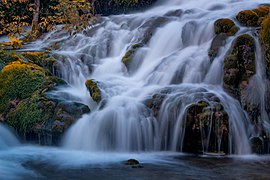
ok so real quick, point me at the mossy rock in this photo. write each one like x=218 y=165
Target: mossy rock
x=239 y=64
x=26 y=115
x=252 y=17
x=225 y=26
x=43 y=59
x=127 y=59
x=265 y=40
x=94 y=90
x=19 y=80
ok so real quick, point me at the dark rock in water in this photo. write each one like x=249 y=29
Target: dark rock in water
x=257 y=145
x=206 y=128
x=174 y=13
x=252 y=17
x=217 y=43
x=150 y=26
x=132 y=162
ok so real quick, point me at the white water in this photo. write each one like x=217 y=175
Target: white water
x=175 y=58
x=7 y=139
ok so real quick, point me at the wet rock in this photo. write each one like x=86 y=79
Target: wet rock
x=223 y=29
x=132 y=162
x=94 y=90
x=126 y=60
x=150 y=26
x=174 y=13
x=25 y=105
x=225 y=26
x=206 y=128
x=265 y=41
x=252 y=17
x=217 y=43
x=257 y=145
x=239 y=65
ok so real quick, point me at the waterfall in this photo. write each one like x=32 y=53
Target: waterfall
x=171 y=61
x=7 y=138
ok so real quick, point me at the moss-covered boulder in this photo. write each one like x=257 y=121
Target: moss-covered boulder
x=252 y=17
x=25 y=104
x=239 y=64
x=265 y=40
x=94 y=90
x=43 y=59
x=19 y=80
x=223 y=28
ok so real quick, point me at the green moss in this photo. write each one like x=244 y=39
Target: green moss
x=26 y=115
x=265 y=39
x=251 y=17
x=130 y=53
x=18 y=81
x=225 y=26
x=94 y=90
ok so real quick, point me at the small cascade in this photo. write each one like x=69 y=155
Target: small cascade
x=159 y=90
x=7 y=139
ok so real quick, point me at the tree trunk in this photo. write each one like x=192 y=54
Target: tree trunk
x=35 y=17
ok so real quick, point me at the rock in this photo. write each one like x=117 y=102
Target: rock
x=94 y=90
x=126 y=60
x=252 y=17
x=239 y=65
x=225 y=26
x=25 y=105
x=257 y=145
x=265 y=41
x=132 y=162
x=223 y=29
x=206 y=124
x=217 y=43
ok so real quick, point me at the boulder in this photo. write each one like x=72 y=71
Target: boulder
x=252 y=17
x=223 y=29
x=239 y=65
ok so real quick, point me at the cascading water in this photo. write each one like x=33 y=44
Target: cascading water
x=172 y=60
x=7 y=139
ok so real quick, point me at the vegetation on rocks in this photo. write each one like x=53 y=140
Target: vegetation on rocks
x=94 y=90
x=252 y=17
x=225 y=26
x=223 y=29
x=265 y=39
